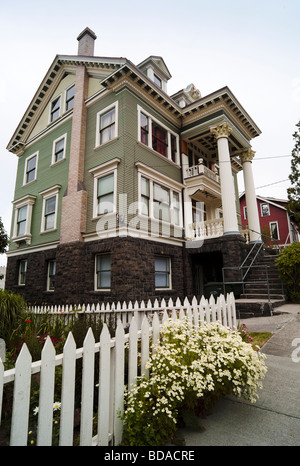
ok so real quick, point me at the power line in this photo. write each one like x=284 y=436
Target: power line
x=271 y=184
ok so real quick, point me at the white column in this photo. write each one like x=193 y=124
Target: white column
x=221 y=133
x=252 y=211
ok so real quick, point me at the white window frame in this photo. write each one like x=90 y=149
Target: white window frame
x=99 y=172
x=261 y=209
x=165 y=182
x=115 y=105
x=60 y=108
x=245 y=212
x=65 y=98
x=276 y=223
x=20 y=281
x=63 y=137
x=48 y=194
x=169 y=272
x=18 y=204
x=150 y=145
x=96 y=275
x=35 y=155
x=48 y=275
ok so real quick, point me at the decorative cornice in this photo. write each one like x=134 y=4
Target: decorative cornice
x=247 y=155
x=222 y=130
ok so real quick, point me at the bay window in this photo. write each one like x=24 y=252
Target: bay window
x=22 y=219
x=157 y=136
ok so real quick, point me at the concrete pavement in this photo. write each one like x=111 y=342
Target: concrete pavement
x=274 y=420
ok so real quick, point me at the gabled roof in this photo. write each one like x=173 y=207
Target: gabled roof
x=157 y=62
x=269 y=200
x=60 y=65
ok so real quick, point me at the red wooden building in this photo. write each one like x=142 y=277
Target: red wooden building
x=277 y=226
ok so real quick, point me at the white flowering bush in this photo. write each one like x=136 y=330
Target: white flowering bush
x=189 y=366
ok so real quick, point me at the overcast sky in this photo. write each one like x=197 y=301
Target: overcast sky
x=251 y=46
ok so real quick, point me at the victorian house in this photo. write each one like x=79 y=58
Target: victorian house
x=124 y=191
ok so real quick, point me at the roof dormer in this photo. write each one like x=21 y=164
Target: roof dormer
x=156 y=70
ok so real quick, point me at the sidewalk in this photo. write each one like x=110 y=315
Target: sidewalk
x=274 y=420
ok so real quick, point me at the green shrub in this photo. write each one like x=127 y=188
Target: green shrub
x=12 y=311
x=288 y=265
x=190 y=368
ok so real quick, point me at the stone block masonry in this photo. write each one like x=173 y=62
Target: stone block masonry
x=132 y=272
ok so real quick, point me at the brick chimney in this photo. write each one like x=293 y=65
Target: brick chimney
x=86 y=40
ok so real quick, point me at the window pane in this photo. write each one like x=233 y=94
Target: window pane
x=106 y=194
x=51 y=274
x=59 y=150
x=22 y=272
x=173 y=148
x=31 y=169
x=22 y=212
x=50 y=205
x=107 y=126
x=145 y=187
x=159 y=139
x=144 y=129
x=21 y=221
x=161 y=203
x=103 y=270
x=55 y=109
x=106 y=184
x=162 y=272
x=70 y=98
x=106 y=204
x=107 y=118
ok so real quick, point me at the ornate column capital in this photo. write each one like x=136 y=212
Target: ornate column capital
x=247 y=155
x=222 y=130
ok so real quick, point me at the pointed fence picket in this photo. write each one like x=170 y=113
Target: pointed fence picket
x=106 y=392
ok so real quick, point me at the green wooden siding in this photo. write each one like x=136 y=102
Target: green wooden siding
x=125 y=147
x=47 y=176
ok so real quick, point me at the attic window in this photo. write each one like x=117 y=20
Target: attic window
x=55 y=109
x=157 y=81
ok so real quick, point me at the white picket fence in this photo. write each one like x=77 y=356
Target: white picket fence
x=114 y=368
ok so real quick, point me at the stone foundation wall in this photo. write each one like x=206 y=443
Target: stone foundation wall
x=132 y=272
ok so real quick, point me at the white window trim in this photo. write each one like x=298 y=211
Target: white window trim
x=29 y=202
x=36 y=154
x=47 y=194
x=60 y=108
x=64 y=136
x=170 y=274
x=169 y=132
x=261 y=211
x=48 y=275
x=245 y=212
x=99 y=114
x=95 y=273
x=99 y=172
x=19 y=272
x=65 y=98
x=173 y=186
x=270 y=223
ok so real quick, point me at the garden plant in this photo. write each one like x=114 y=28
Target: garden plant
x=190 y=369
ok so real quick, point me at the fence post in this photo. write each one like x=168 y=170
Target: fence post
x=104 y=399
x=119 y=383
x=45 y=419
x=87 y=397
x=20 y=413
x=68 y=393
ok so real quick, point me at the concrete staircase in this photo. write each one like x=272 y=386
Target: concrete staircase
x=263 y=290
